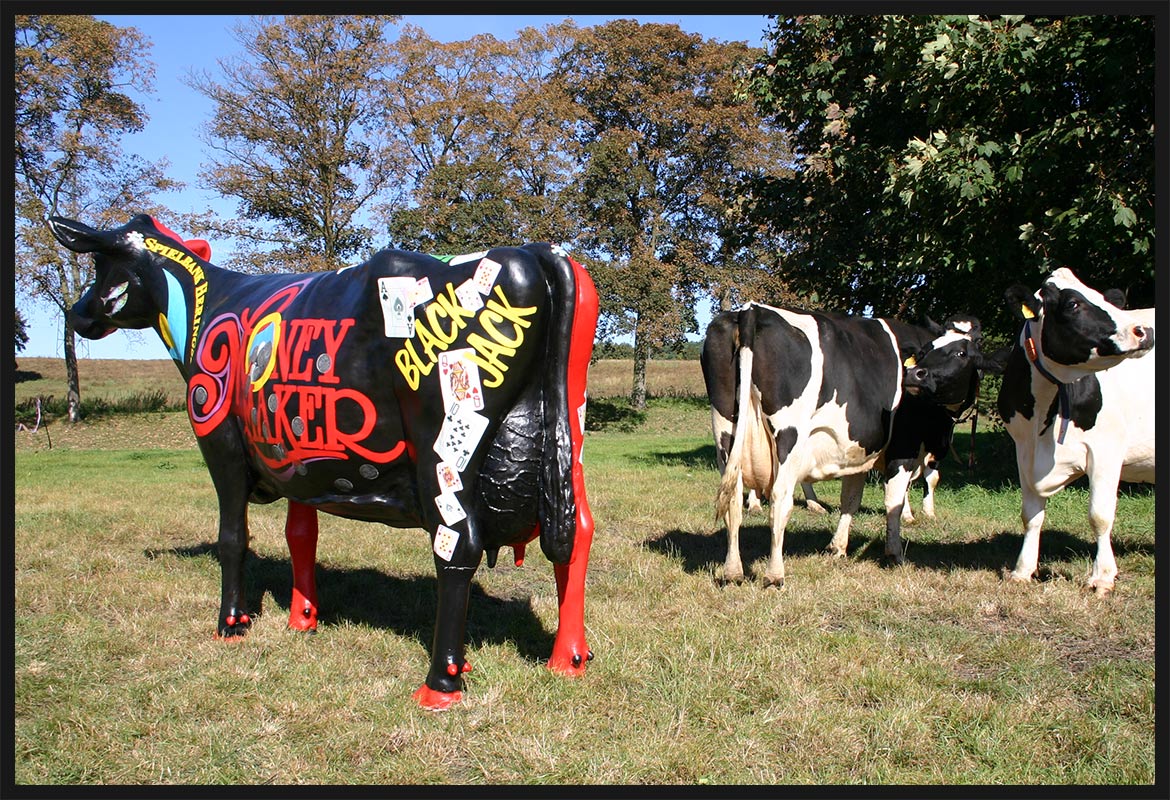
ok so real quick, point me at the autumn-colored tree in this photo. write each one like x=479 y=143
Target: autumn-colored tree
x=665 y=135
x=296 y=139
x=488 y=144
x=75 y=77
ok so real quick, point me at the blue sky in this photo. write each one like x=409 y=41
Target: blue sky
x=182 y=44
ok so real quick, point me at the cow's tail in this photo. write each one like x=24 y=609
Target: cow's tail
x=730 y=486
x=573 y=323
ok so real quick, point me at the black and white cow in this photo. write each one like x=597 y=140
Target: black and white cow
x=416 y=391
x=809 y=396
x=1078 y=399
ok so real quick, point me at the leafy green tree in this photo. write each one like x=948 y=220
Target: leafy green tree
x=942 y=158
x=664 y=132
x=75 y=77
x=293 y=141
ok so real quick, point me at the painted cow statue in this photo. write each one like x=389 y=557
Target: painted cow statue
x=802 y=397
x=443 y=393
x=1078 y=399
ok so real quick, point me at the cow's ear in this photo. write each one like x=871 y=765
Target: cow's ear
x=1022 y=302
x=79 y=237
x=996 y=362
x=909 y=355
x=932 y=326
x=1115 y=296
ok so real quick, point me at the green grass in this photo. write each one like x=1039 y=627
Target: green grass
x=936 y=672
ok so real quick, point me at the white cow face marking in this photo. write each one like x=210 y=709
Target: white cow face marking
x=1079 y=331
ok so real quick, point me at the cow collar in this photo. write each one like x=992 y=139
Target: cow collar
x=1033 y=353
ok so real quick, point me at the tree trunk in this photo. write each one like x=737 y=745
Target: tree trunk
x=71 y=374
x=638 y=395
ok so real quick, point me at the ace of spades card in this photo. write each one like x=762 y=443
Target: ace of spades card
x=462 y=429
x=396 y=296
x=450 y=508
x=459 y=379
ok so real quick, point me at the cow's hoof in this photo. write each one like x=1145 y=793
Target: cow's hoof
x=895 y=559
x=774 y=580
x=233 y=627
x=816 y=508
x=431 y=700
x=570 y=666
x=836 y=551
x=730 y=577
x=1019 y=577
x=303 y=620
x=1101 y=588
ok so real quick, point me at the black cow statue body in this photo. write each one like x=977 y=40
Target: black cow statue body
x=441 y=393
x=802 y=397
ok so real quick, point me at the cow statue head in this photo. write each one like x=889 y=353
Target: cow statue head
x=128 y=290
x=1071 y=330
x=947 y=370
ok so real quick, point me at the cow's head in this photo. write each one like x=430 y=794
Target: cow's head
x=129 y=288
x=947 y=370
x=1075 y=329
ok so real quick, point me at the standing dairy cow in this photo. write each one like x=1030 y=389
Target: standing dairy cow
x=807 y=396
x=446 y=394
x=1078 y=399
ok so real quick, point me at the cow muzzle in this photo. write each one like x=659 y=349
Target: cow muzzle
x=87 y=327
x=917 y=381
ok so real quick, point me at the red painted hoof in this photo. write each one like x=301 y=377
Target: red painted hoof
x=571 y=666
x=431 y=700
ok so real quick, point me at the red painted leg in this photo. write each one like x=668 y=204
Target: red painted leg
x=300 y=530
x=570 y=651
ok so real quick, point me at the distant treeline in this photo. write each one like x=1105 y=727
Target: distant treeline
x=687 y=351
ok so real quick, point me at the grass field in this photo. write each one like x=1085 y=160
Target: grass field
x=937 y=672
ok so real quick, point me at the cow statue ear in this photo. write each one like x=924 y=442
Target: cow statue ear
x=79 y=237
x=1022 y=302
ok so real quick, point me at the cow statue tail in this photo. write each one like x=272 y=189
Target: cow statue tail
x=730 y=485
x=566 y=523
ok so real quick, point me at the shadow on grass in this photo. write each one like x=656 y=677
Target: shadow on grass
x=701 y=552
x=702 y=457
x=406 y=606
x=22 y=375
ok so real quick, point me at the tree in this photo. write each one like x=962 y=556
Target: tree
x=488 y=144
x=73 y=76
x=942 y=158
x=664 y=133
x=20 y=329
x=294 y=142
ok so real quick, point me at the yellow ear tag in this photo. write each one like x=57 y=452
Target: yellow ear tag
x=1027 y=312
x=910 y=362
